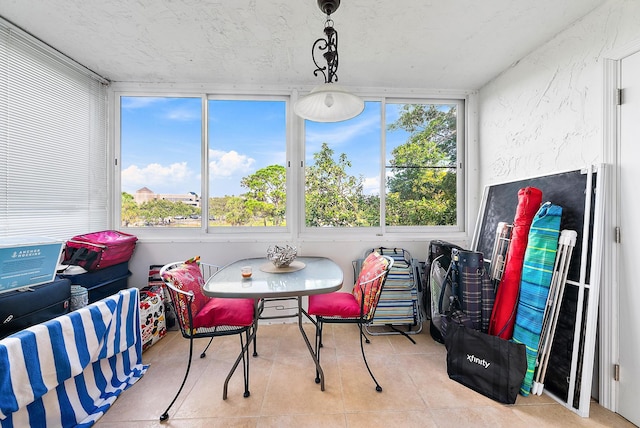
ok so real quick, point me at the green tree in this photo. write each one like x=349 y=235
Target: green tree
x=155 y=211
x=159 y=211
x=236 y=211
x=370 y=210
x=422 y=186
x=430 y=122
x=129 y=214
x=217 y=208
x=267 y=195
x=333 y=197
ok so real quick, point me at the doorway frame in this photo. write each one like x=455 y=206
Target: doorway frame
x=609 y=330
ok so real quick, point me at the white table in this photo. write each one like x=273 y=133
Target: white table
x=319 y=275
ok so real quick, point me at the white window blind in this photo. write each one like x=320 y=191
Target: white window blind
x=53 y=142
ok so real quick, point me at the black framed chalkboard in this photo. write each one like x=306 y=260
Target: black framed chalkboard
x=575 y=191
x=565 y=189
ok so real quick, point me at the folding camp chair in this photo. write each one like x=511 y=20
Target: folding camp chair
x=200 y=316
x=357 y=307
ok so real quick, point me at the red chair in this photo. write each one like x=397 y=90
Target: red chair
x=200 y=316
x=357 y=307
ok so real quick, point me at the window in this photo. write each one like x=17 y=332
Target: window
x=161 y=152
x=342 y=174
x=421 y=169
x=395 y=168
x=53 y=142
x=420 y=174
x=161 y=174
x=247 y=157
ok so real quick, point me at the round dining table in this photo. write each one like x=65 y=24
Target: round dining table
x=305 y=276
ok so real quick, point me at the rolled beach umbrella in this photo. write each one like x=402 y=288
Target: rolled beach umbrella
x=503 y=315
x=537 y=272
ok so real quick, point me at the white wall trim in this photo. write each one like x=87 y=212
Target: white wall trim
x=623 y=51
x=473 y=190
x=609 y=331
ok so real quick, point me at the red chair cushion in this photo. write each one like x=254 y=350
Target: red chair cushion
x=372 y=267
x=337 y=304
x=222 y=311
x=188 y=277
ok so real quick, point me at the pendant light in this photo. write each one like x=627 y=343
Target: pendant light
x=328 y=102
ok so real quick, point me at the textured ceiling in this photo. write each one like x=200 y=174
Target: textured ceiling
x=433 y=44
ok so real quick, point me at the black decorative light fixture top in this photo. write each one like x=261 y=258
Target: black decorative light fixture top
x=328 y=102
x=328 y=45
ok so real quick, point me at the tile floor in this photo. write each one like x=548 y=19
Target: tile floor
x=417 y=391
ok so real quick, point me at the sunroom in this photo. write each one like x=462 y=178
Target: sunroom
x=176 y=122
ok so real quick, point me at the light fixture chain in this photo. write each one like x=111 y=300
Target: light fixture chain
x=329 y=49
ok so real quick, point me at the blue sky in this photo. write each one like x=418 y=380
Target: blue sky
x=161 y=147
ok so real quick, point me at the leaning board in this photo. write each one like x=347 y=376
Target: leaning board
x=573 y=349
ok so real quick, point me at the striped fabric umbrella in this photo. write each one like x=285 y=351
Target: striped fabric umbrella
x=537 y=271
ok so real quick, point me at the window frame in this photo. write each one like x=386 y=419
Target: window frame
x=399 y=231
x=295 y=229
x=460 y=170
x=205 y=169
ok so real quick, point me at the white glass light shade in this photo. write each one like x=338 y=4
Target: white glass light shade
x=329 y=103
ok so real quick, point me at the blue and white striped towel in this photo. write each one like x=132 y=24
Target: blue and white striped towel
x=68 y=371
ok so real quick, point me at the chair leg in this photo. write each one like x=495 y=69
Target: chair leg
x=362 y=335
x=204 y=353
x=244 y=357
x=255 y=346
x=319 y=325
x=165 y=415
x=366 y=338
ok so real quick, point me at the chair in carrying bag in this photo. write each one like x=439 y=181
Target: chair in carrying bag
x=437 y=279
x=449 y=304
x=199 y=316
x=357 y=307
x=468 y=295
x=435 y=270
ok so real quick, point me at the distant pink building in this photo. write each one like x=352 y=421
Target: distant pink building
x=146 y=195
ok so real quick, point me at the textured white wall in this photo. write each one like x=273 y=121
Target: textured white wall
x=545 y=113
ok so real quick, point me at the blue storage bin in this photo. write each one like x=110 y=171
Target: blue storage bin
x=23 y=308
x=104 y=282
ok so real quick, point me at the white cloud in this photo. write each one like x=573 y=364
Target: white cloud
x=371 y=185
x=169 y=108
x=179 y=178
x=183 y=114
x=341 y=133
x=174 y=178
x=139 y=102
x=225 y=164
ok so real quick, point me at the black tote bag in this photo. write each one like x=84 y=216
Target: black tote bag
x=489 y=365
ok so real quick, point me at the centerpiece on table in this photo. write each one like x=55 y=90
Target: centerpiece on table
x=282 y=259
x=281 y=256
